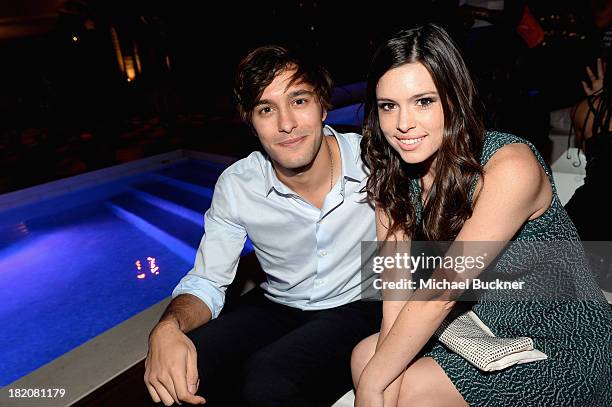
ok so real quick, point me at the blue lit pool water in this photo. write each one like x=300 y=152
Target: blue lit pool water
x=68 y=265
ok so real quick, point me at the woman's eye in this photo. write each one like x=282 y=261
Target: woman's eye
x=424 y=102
x=265 y=110
x=300 y=101
x=386 y=106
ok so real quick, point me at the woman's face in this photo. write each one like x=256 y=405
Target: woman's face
x=410 y=112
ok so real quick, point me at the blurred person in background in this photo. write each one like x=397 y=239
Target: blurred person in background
x=591 y=119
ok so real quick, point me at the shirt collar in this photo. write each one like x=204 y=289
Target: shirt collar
x=350 y=166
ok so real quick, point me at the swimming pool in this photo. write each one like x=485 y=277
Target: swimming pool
x=80 y=263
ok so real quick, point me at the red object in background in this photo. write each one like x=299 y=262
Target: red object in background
x=529 y=29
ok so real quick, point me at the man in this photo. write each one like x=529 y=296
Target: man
x=287 y=343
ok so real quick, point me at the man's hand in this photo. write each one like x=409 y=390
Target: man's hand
x=596 y=81
x=171 y=368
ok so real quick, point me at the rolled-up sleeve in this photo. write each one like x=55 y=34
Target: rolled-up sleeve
x=219 y=251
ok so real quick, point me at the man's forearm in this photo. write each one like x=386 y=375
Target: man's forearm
x=187 y=311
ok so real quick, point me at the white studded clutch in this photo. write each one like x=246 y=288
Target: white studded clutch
x=471 y=339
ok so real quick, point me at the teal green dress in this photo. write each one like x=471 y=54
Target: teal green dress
x=575 y=334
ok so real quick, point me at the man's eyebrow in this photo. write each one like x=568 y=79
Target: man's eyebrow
x=300 y=92
x=295 y=93
x=263 y=102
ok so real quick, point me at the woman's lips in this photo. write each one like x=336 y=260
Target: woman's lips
x=410 y=144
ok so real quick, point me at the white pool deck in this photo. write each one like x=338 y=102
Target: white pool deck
x=101 y=359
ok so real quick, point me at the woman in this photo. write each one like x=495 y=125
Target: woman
x=437 y=175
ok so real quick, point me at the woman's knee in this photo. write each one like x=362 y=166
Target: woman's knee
x=424 y=383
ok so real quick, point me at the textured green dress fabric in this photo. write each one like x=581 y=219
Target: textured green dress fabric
x=575 y=331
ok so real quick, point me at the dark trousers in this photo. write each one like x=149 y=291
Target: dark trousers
x=260 y=353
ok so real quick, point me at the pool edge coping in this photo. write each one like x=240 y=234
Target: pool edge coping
x=52 y=189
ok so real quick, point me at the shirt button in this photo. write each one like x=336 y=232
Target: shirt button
x=319 y=282
x=322 y=253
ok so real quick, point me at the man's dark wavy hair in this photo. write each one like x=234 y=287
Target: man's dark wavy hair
x=259 y=68
x=390 y=184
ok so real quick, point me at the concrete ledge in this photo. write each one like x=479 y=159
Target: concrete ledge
x=57 y=188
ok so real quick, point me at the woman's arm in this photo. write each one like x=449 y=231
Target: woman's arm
x=391 y=308
x=514 y=189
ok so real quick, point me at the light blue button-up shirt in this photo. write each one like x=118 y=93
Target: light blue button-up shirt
x=311 y=256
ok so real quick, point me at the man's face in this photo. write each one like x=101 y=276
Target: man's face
x=288 y=122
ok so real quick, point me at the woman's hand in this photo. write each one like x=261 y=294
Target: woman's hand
x=370 y=391
x=368 y=397
x=596 y=80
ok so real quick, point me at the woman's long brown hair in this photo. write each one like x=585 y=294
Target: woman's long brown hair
x=457 y=166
